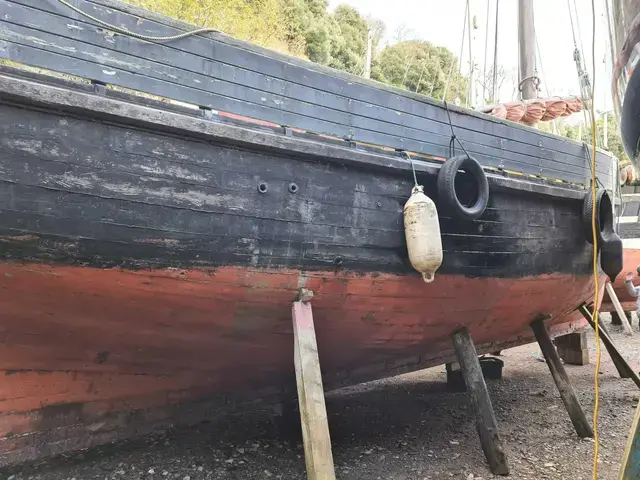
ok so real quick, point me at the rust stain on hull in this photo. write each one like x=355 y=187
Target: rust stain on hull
x=92 y=355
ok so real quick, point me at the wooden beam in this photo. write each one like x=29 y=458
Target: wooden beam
x=485 y=418
x=571 y=403
x=573 y=348
x=630 y=467
x=620 y=363
x=313 y=412
x=619 y=310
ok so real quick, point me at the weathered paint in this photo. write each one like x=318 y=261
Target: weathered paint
x=91 y=355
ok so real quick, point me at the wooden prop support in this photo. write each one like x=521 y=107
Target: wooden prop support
x=621 y=364
x=616 y=303
x=630 y=467
x=571 y=403
x=481 y=402
x=313 y=412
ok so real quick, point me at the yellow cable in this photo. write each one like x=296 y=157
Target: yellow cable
x=595 y=244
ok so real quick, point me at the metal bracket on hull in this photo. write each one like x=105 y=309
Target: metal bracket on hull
x=486 y=423
x=560 y=377
x=313 y=412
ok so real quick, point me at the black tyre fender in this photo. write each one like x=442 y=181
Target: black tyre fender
x=604 y=216
x=447 y=189
x=611 y=256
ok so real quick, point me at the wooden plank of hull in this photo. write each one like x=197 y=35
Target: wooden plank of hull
x=84 y=347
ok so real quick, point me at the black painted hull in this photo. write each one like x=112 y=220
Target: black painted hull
x=83 y=192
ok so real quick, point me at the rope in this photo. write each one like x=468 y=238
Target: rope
x=452 y=144
x=595 y=247
x=413 y=168
x=124 y=31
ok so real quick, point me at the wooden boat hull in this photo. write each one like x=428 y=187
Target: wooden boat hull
x=92 y=355
x=150 y=252
x=139 y=276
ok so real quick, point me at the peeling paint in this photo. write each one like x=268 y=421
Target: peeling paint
x=167 y=242
x=18 y=238
x=29 y=146
x=17 y=37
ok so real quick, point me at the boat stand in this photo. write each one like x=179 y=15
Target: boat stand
x=630 y=468
x=313 y=411
x=560 y=377
x=621 y=364
x=573 y=348
x=485 y=418
x=621 y=315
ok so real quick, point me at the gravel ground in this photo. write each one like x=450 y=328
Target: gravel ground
x=404 y=428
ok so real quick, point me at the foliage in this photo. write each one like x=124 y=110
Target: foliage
x=486 y=80
x=306 y=28
x=581 y=133
x=263 y=22
x=421 y=67
x=310 y=25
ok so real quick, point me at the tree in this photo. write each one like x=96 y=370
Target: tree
x=310 y=24
x=421 y=67
x=581 y=133
x=263 y=22
x=486 y=82
x=349 y=46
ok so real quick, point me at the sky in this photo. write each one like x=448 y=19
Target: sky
x=441 y=22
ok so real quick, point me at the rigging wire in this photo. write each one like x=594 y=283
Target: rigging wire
x=573 y=30
x=484 y=66
x=453 y=59
x=464 y=29
x=495 y=58
x=546 y=87
x=595 y=246
x=583 y=75
x=124 y=31
x=575 y=7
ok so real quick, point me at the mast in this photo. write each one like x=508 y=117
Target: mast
x=526 y=44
